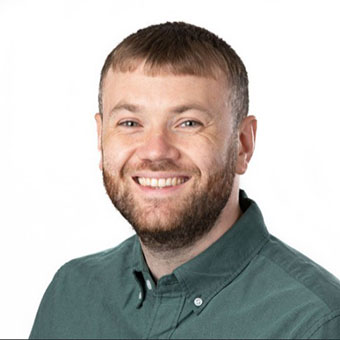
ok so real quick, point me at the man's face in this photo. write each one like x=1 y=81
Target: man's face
x=168 y=153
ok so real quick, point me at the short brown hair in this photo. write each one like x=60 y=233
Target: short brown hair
x=182 y=49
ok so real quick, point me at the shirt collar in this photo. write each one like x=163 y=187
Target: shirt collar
x=205 y=275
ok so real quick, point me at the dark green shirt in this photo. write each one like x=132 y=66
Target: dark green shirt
x=248 y=284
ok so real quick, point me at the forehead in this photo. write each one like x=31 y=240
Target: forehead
x=163 y=89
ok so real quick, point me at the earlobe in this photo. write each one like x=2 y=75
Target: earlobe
x=247 y=136
x=99 y=122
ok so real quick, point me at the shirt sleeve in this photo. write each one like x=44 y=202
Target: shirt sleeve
x=44 y=321
x=328 y=328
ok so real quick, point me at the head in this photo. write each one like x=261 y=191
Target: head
x=182 y=49
x=173 y=131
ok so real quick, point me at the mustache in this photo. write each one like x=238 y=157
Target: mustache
x=161 y=165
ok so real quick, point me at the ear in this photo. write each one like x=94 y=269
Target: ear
x=99 y=120
x=246 y=142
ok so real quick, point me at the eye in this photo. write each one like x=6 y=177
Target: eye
x=190 y=123
x=129 y=123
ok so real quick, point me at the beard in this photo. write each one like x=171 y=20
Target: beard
x=165 y=224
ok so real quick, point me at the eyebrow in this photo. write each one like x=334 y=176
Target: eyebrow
x=175 y=109
x=127 y=107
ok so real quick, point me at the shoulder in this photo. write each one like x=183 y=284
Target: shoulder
x=78 y=288
x=303 y=271
x=113 y=261
x=311 y=286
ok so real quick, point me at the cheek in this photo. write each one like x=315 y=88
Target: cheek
x=115 y=155
x=204 y=156
x=209 y=151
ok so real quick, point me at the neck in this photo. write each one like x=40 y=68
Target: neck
x=163 y=263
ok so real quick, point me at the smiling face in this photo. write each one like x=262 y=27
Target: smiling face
x=169 y=153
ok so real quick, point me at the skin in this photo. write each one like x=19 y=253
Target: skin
x=182 y=119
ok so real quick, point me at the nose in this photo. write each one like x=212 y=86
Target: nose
x=157 y=146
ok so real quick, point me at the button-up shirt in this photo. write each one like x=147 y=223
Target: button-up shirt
x=248 y=284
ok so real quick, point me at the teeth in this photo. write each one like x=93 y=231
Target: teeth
x=160 y=182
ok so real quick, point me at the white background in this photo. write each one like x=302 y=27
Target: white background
x=53 y=204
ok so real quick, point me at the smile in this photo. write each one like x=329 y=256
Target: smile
x=160 y=183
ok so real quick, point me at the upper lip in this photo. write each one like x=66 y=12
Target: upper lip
x=159 y=174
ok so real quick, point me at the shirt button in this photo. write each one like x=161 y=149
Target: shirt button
x=198 y=302
x=148 y=283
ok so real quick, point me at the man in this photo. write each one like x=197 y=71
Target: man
x=174 y=137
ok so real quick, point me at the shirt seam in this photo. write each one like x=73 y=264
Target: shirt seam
x=175 y=320
x=319 y=323
x=297 y=280
x=149 y=329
